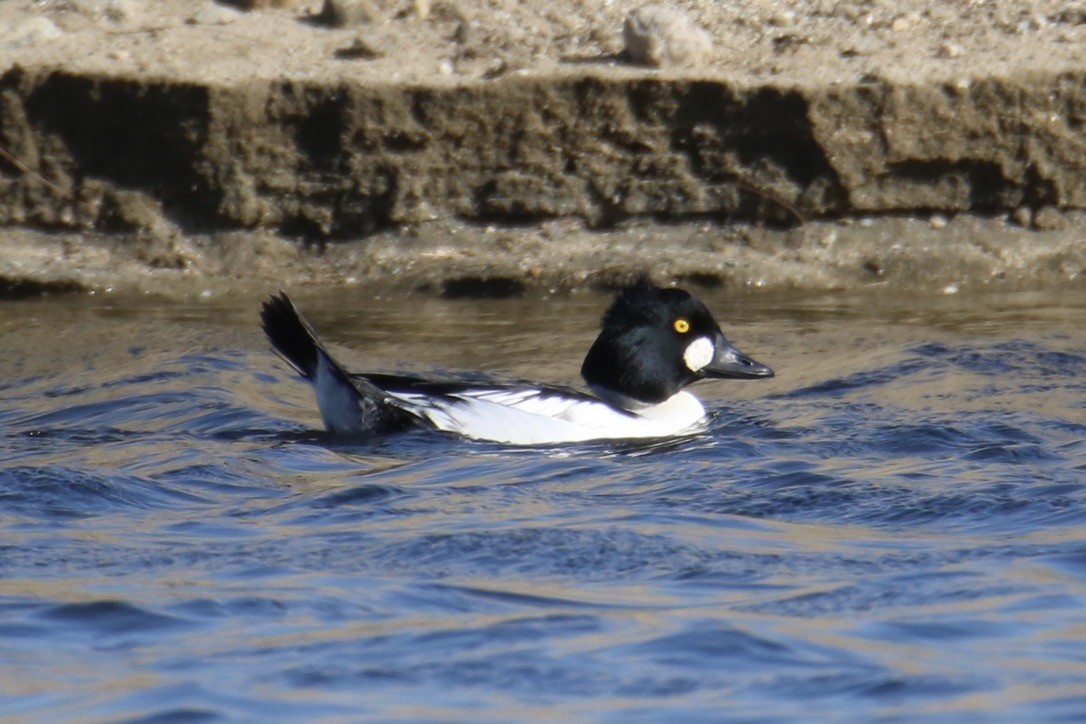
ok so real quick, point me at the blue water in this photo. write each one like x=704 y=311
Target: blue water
x=893 y=528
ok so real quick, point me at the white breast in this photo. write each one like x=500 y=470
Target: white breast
x=533 y=417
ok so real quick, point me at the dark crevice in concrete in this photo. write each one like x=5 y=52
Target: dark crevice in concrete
x=320 y=131
x=21 y=288
x=126 y=135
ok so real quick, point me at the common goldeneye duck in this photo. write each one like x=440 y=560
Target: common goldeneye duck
x=654 y=342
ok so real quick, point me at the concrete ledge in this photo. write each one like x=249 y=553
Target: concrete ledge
x=169 y=125
x=334 y=161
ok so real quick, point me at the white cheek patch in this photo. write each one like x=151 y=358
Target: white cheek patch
x=698 y=353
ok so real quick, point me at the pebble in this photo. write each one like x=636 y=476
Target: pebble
x=860 y=45
x=121 y=11
x=266 y=4
x=660 y=36
x=212 y=13
x=496 y=68
x=365 y=46
x=349 y=13
x=1023 y=216
x=783 y=18
x=950 y=50
x=906 y=22
x=465 y=32
x=1048 y=218
x=937 y=221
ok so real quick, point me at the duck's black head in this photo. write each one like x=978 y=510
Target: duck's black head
x=656 y=341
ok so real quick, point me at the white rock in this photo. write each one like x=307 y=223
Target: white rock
x=660 y=36
x=38 y=29
x=950 y=50
x=212 y=13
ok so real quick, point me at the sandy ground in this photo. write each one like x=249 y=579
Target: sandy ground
x=965 y=256
x=818 y=144
x=791 y=41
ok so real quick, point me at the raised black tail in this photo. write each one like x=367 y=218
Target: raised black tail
x=291 y=335
x=349 y=404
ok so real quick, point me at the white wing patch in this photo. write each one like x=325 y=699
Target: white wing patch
x=534 y=417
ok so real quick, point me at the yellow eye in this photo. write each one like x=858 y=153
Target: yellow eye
x=681 y=325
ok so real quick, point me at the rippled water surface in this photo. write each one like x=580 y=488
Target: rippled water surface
x=893 y=527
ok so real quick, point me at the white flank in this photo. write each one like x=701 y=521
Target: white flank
x=529 y=417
